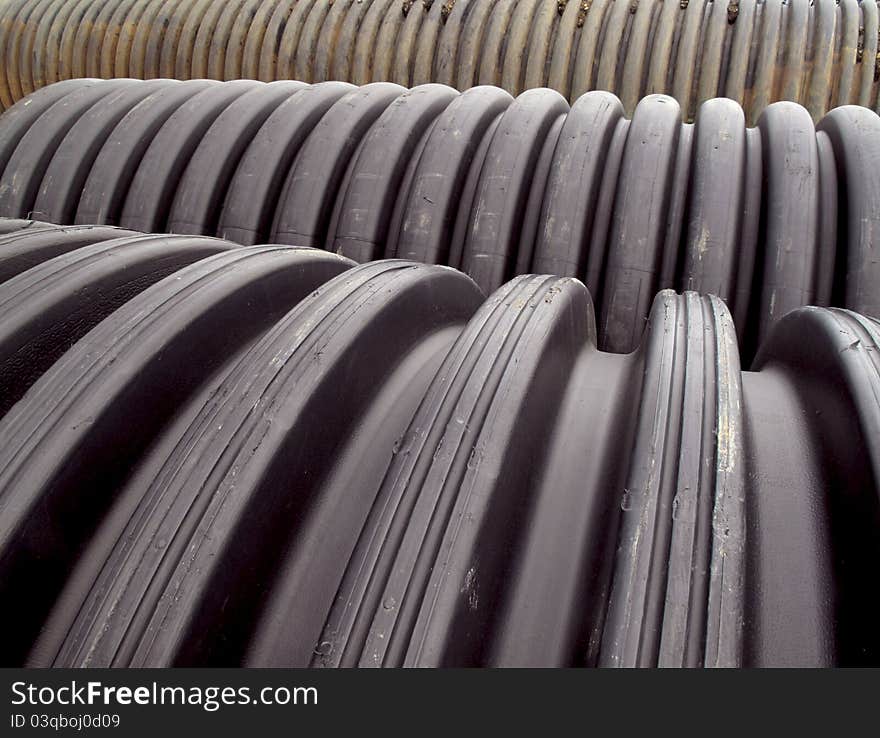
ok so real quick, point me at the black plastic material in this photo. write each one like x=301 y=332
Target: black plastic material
x=274 y=457
x=768 y=218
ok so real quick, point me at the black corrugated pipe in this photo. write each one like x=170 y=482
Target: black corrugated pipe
x=768 y=218
x=215 y=454
x=820 y=53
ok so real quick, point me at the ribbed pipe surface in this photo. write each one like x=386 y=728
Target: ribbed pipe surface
x=769 y=218
x=214 y=454
x=820 y=53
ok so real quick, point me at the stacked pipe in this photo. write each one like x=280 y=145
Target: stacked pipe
x=487 y=488
x=820 y=53
x=768 y=218
x=250 y=416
